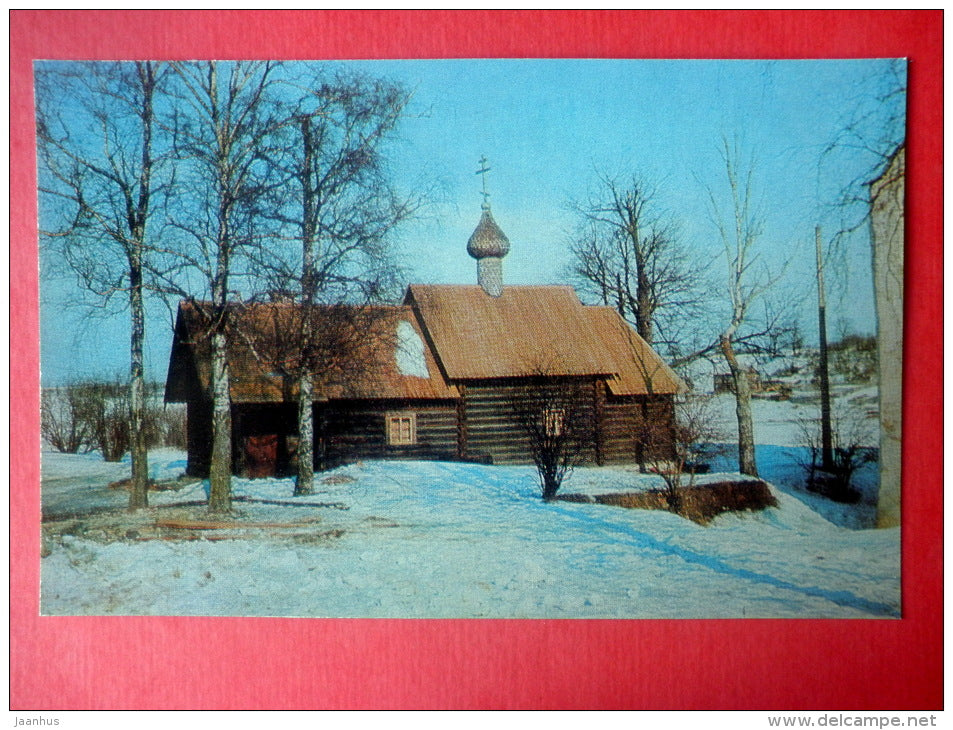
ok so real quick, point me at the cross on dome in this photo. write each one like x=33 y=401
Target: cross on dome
x=483 y=171
x=488 y=244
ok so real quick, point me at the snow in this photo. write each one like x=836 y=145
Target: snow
x=780 y=454
x=440 y=539
x=420 y=539
x=410 y=351
x=79 y=482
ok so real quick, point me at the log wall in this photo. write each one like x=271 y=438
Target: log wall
x=480 y=426
x=493 y=428
x=624 y=428
x=358 y=430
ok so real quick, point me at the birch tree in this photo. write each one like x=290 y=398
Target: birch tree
x=739 y=228
x=99 y=174
x=223 y=126
x=336 y=208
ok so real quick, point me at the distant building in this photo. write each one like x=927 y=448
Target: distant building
x=436 y=377
x=725 y=383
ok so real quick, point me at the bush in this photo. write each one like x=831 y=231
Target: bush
x=552 y=415
x=858 y=343
x=107 y=408
x=854 y=358
x=167 y=426
x=678 y=450
x=851 y=434
x=88 y=415
x=62 y=421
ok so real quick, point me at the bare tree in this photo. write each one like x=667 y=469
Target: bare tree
x=630 y=258
x=336 y=209
x=739 y=230
x=677 y=450
x=330 y=347
x=869 y=134
x=222 y=127
x=98 y=171
x=552 y=413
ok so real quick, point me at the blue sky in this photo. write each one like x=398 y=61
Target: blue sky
x=547 y=127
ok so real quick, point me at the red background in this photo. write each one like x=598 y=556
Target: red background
x=204 y=663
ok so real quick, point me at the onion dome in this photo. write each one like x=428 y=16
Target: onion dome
x=488 y=239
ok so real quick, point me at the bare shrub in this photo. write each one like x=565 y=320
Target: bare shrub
x=678 y=451
x=166 y=427
x=87 y=415
x=852 y=433
x=93 y=415
x=106 y=410
x=551 y=412
x=854 y=358
x=62 y=422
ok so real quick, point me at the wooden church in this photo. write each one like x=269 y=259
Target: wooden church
x=435 y=378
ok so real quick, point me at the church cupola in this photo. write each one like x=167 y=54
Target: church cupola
x=488 y=245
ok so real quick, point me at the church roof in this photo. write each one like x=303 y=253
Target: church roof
x=535 y=330
x=376 y=365
x=442 y=335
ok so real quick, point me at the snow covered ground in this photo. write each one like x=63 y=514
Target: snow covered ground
x=435 y=539
x=80 y=482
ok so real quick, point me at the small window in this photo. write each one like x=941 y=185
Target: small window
x=401 y=429
x=554 y=421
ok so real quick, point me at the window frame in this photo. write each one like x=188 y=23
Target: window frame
x=554 y=422
x=393 y=432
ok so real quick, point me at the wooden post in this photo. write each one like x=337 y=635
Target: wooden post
x=462 y=431
x=598 y=387
x=642 y=431
x=827 y=448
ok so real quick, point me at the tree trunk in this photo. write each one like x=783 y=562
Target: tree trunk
x=646 y=326
x=643 y=300
x=139 y=492
x=886 y=239
x=746 y=458
x=305 y=481
x=220 y=470
x=137 y=217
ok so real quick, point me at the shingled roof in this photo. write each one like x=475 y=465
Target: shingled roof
x=464 y=334
x=256 y=377
x=529 y=330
